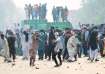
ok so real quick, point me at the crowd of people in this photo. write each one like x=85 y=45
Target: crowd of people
x=36 y=11
x=39 y=12
x=67 y=45
x=60 y=14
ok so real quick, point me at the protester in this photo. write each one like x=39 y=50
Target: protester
x=42 y=41
x=27 y=12
x=11 y=42
x=30 y=11
x=5 y=48
x=93 y=43
x=79 y=46
x=85 y=41
x=103 y=50
x=66 y=37
x=58 y=50
x=101 y=44
x=33 y=48
x=0 y=42
x=72 y=47
x=25 y=45
x=51 y=42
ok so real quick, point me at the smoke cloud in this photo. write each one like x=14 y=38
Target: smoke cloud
x=9 y=13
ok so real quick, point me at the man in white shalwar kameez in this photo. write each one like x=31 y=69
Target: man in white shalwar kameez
x=25 y=46
x=5 y=49
x=72 y=47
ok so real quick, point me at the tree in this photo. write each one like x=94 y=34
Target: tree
x=93 y=11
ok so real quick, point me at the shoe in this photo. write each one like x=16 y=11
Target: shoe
x=41 y=58
x=88 y=59
x=96 y=60
x=75 y=60
x=91 y=60
x=33 y=64
x=56 y=66
x=26 y=58
x=9 y=61
x=13 y=64
x=60 y=64
x=36 y=68
x=70 y=61
x=23 y=58
x=49 y=59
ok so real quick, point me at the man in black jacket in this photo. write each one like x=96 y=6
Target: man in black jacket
x=93 y=43
x=11 y=44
